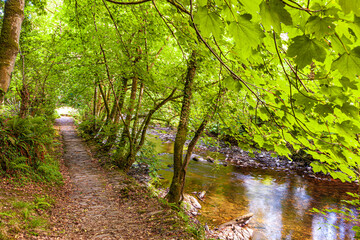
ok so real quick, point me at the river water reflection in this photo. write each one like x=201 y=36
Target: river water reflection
x=280 y=201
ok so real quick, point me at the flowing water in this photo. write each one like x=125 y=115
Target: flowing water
x=281 y=202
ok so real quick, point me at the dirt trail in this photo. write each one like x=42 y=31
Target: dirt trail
x=106 y=205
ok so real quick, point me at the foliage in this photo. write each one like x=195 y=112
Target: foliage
x=291 y=70
x=147 y=156
x=26 y=148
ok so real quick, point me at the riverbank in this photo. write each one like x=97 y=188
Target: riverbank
x=233 y=155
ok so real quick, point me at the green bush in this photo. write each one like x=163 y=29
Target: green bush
x=25 y=148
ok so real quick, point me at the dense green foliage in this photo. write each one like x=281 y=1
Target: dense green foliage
x=288 y=72
x=26 y=149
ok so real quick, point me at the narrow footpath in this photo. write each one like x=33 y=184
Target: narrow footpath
x=104 y=204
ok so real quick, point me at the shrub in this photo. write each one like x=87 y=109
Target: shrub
x=25 y=148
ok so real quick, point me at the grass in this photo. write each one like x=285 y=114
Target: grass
x=25 y=217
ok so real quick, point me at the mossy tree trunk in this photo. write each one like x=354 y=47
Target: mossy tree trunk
x=9 y=41
x=175 y=194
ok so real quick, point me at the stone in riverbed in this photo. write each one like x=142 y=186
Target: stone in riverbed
x=210 y=159
x=197 y=158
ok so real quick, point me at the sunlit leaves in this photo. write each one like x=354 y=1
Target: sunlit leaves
x=273 y=14
x=259 y=139
x=202 y=2
x=208 y=22
x=232 y=84
x=247 y=35
x=282 y=150
x=350 y=5
x=304 y=50
x=251 y=6
x=319 y=27
x=348 y=64
x=228 y=14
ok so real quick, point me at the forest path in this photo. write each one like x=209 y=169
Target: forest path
x=106 y=204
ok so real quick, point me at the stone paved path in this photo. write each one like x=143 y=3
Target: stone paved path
x=103 y=205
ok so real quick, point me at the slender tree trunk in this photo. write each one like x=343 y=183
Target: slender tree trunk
x=105 y=102
x=9 y=41
x=24 y=92
x=119 y=102
x=116 y=110
x=148 y=118
x=174 y=195
x=135 y=124
x=94 y=99
x=125 y=157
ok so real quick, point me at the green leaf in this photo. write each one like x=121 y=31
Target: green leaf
x=320 y=27
x=316 y=167
x=259 y=139
x=343 y=168
x=301 y=100
x=349 y=84
x=202 y=2
x=282 y=151
x=299 y=18
x=350 y=5
x=348 y=64
x=273 y=14
x=342 y=176
x=247 y=35
x=251 y=6
x=305 y=50
x=324 y=109
x=232 y=84
x=208 y=23
x=350 y=110
x=227 y=14
x=347 y=127
x=337 y=45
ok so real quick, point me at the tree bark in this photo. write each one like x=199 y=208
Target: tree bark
x=125 y=159
x=24 y=93
x=119 y=102
x=9 y=41
x=175 y=195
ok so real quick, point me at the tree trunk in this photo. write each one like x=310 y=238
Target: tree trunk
x=175 y=195
x=9 y=41
x=125 y=159
x=24 y=93
x=119 y=102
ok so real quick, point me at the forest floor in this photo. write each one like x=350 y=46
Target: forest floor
x=98 y=203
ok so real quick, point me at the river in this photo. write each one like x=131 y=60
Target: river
x=281 y=202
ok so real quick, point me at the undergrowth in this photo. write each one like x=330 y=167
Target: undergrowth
x=195 y=229
x=26 y=149
x=27 y=217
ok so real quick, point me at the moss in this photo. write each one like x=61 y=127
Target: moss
x=14 y=7
x=8 y=44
